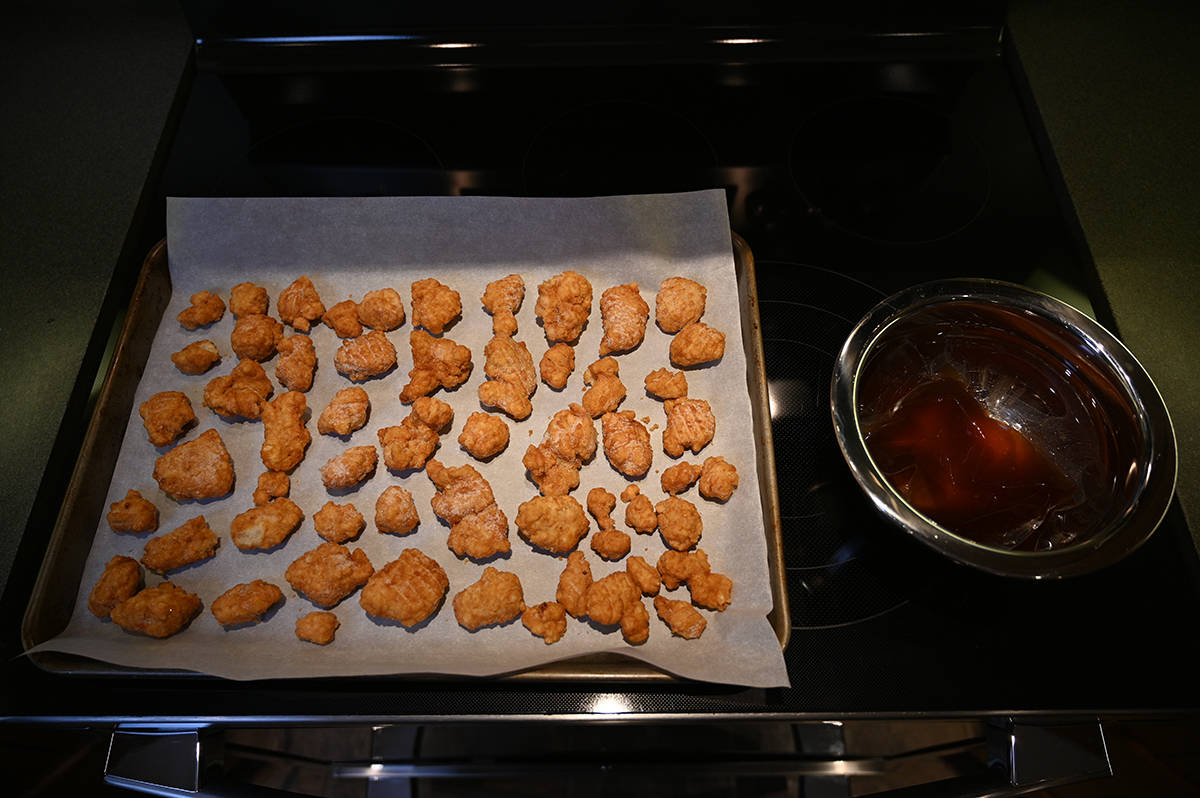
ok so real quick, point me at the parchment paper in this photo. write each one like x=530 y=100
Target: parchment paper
x=352 y=245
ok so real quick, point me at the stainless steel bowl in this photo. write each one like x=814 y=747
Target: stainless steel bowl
x=1041 y=367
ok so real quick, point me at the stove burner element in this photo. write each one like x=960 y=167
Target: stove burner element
x=889 y=170
x=618 y=147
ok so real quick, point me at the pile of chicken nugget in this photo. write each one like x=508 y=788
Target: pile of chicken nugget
x=413 y=587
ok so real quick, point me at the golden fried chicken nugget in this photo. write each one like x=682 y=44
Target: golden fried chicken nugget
x=464 y=500
x=242 y=392
x=569 y=442
x=718 y=479
x=299 y=305
x=411 y=444
x=409 y=589
x=433 y=413
x=573 y=585
x=245 y=603
x=635 y=623
x=502 y=298
x=122 y=578
x=365 y=357
x=564 y=303
x=679 y=477
x=484 y=435
x=199 y=469
x=255 y=337
x=434 y=306
x=639 y=515
x=667 y=384
x=690 y=425
x=677 y=567
x=349 y=468
x=338 y=523
x=511 y=378
x=395 y=512
x=623 y=314
x=697 y=343
x=552 y=523
x=630 y=491
x=382 y=309
x=346 y=412
x=248 y=299
x=609 y=596
x=627 y=443
x=296 y=364
x=266 y=526
x=134 y=514
x=159 y=611
x=644 y=574
x=317 y=627
x=547 y=620
x=166 y=415
x=197 y=357
x=271 y=485
x=711 y=590
x=680 y=617
x=284 y=435
x=611 y=544
x=679 y=522
x=556 y=365
x=496 y=598
x=329 y=573
x=607 y=391
x=192 y=542
x=342 y=318
x=600 y=504
x=680 y=302
x=437 y=362
x=205 y=309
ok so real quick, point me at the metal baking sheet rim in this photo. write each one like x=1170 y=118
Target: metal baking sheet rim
x=50 y=607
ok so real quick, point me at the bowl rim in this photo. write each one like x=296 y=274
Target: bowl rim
x=1119 y=538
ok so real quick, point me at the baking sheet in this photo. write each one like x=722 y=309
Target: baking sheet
x=350 y=246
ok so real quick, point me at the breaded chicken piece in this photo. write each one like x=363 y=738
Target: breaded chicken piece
x=266 y=526
x=342 y=318
x=248 y=299
x=484 y=435
x=411 y=444
x=349 y=468
x=434 y=306
x=573 y=585
x=296 y=364
x=496 y=598
x=677 y=567
x=679 y=477
x=611 y=544
x=365 y=357
x=122 y=578
x=690 y=425
x=679 y=522
x=255 y=337
x=564 y=303
x=511 y=378
x=284 y=435
x=409 y=589
x=609 y=597
x=245 y=603
x=680 y=617
x=547 y=620
x=433 y=413
x=627 y=443
x=346 y=412
x=317 y=627
x=680 y=302
x=464 y=500
x=205 y=309
x=197 y=357
x=134 y=513
x=437 y=362
x=395 y=511
x=630 y=491
x=697 y=343
x=199 y=469
x=299 y=305
x=502 y=298
x=600 y=504
x=718 y=479
x=166 y=415
x=569 y=442
x=271 y=485
x=192 y=542
x=556 y=365
x=552 y=523
x=710 y=590
x=159 y=611
x=607 y=391
x=667 y=384
x=242 y=392
x=639 y=515
x=381 y=310
x=329 y=573
x=338 y=523
x=635 y=623
x=644 y=575
x=623 y=314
